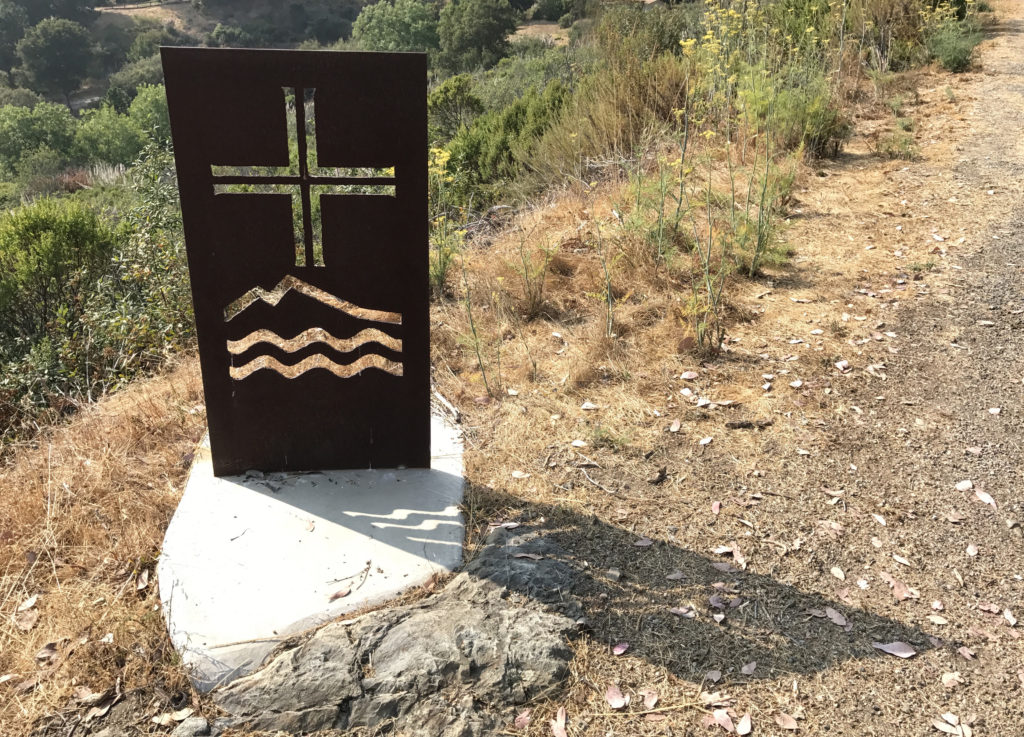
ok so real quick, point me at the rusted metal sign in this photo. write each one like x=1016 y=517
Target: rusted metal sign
x=304 y=198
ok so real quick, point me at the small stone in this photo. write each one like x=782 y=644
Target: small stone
x=192 y=727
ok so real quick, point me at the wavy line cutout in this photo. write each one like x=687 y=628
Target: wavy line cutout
x=275 y=295
x=342 y=371
x=314 y=335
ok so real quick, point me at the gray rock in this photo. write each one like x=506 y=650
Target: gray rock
x=192 y=727
x=496 y=636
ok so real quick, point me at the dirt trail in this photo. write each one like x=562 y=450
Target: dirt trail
x=850 y=502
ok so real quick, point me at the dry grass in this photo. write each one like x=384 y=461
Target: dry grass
x=84 y=511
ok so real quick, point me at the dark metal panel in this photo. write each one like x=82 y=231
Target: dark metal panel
x=306 y=230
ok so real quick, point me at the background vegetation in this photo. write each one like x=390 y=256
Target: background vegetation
x=703 y=108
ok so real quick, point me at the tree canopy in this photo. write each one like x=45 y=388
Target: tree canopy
x=13 y=20
x=406 y=25
x=37 y=10
x=474 y=33
x=55 y=56
x=24 y=130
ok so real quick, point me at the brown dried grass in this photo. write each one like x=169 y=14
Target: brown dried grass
x=84 y=509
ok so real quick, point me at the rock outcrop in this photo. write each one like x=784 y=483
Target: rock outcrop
x=453 y=665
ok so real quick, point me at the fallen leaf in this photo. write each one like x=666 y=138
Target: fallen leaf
x=838 y=573
x=937 y=619
x=655 y=717
x=837 y=618
x=520 y=475
x=558 y=723
x=182 y=714
x=899 y=649
x=722 y=719
x=796 y=384
x=100 y=710
x=528 y=556
x=650 y=697
x=966 y=653
x=985 y=498
x=879 y=519
x=615 y=698
x=588 y=406
x=989 y=607
x=951 y=718
x=340 y=594
x=683 y=611
x=620 y=648
x=900 y=559
x=143 y=578
x=972 y=550
x=26 y=620
x=7 y=677
x=714 y=676
x=48 y=654
x=899 y=589
x=994 y=410
x=28 y=603
x=718 y=617
x=706 y=441
x=743 y=726
x=716 y=507
x=522 y=720
x=674 y=427
x=579 y=443
x=947 y=728
x=689 y=375
x=1008 y=616
x=965 y=485
x=675 y=576
x=785 y=721
x=952 y=680
x=644 y=542
x=749 y=668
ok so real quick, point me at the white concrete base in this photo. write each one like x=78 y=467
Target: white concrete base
x=248 y=560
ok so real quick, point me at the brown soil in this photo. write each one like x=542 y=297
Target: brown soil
x=909 y=271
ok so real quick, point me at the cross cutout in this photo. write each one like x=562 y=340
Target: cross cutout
x=299 y=179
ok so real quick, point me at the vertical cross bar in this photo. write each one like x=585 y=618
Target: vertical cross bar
x=307 y=209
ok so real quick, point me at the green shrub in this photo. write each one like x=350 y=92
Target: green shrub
x=898 y=145
x=105 y=136
x=509 y=80
x=952 y=43
x=565 y=21
x=452 y=106
x=806 y=114
x=499 y=145
x=51 y=252
x=85 y=306
x=149 y=112
x=18 y=97
x=225 y=35
x=25 y=130
x=125 y=84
